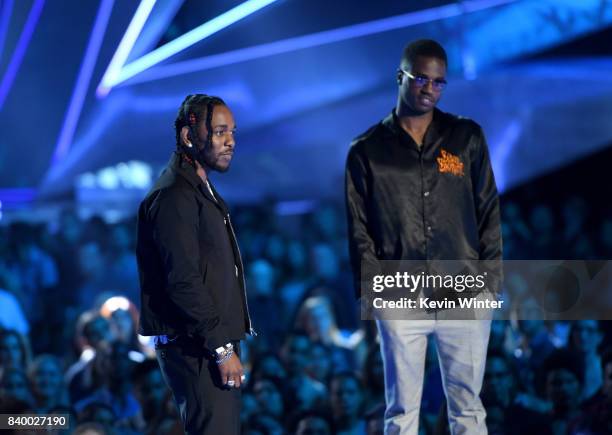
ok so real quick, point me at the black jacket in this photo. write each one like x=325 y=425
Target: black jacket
x=191 y=273
x=437 y=202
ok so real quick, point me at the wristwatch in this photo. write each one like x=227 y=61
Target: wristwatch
x=221 y=351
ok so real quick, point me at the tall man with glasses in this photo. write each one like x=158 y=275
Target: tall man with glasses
x=419 y=186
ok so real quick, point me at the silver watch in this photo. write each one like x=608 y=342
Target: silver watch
x=223 y=350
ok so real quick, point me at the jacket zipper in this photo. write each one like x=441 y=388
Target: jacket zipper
x=246 y=303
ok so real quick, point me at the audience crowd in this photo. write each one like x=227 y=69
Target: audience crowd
x=69 y=300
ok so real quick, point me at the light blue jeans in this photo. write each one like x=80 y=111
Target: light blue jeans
x=462 y=350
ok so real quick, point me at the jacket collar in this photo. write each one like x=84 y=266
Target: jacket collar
x=434 y=131
x=184 y=169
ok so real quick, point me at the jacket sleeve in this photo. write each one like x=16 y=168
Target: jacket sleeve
x=175 y=222
x=361 y=245
x=486 y=201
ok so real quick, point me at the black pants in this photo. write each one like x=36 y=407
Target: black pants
x=205 y=405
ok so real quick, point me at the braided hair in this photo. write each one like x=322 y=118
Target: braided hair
x=193 y=109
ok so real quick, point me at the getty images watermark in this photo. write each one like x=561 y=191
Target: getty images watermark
x=476 y=289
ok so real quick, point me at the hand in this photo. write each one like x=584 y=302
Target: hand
x=231 y=370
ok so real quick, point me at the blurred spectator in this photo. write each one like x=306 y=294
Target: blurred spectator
x=317 y=319
x=268 y=366
x=562 y=374
x=123 y=316
x=499 y=394
x=154 y=396
x=264 y=300
x=123 y=267
x=93 y=335
x=598 y=413
x=306 y=394
x=346 y=395
x=99 y=413
x=93 y=272
x=296 y=279
x=112 y=378
x=332 y=282
x=535 y=343
x=312 y=424
x=320 y=365
x=46 y=378
x=269 y=397
x=14 y=384
x=37 y=270
x=249 y=408
x=295 y=353
x=14 y=349
x=585 y=338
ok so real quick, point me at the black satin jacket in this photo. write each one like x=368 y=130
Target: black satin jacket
x=437 y=202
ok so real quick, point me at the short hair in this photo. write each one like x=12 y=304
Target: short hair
x=194 y=109
x=423 y=47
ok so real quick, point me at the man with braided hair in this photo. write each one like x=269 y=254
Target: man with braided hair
x=193 y=299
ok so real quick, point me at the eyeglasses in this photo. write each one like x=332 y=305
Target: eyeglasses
x=420 y=81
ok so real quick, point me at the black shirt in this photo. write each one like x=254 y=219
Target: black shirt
x=434 y=202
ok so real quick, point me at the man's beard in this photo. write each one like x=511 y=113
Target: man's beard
x=214 y=164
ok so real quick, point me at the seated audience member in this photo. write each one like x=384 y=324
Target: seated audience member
x=320 y=366
x=98 y=413
x=249 y=408
x=112 y=378
x=562 y=375
x=14 y=349
x=269 y=366
x=597 y=418
x=296 y=281
x=332 y=281
x=263 y=300
x=14 y=385
x=264 y=424
x=505 y=415
x=93 y=335
x=122 y=315
x=47 y=381
x=269 y=396
x=306 y=394
x=312 y=423
x=346 y=397
x=585 y=338
x=295 y=353
x=316 y=317
x=153 y=394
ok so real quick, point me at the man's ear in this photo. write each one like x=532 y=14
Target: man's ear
x=186 y=135
x=400 y=76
